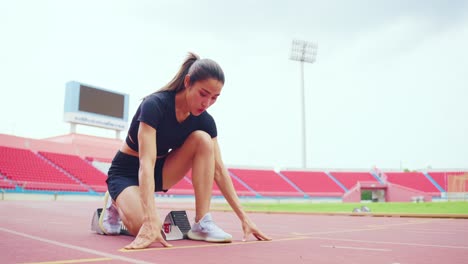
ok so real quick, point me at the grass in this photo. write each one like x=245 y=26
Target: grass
x=410 y=208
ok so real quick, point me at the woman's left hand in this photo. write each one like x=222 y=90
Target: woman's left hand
x=250 y=228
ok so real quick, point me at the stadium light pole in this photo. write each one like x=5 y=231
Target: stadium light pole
x=303 y=51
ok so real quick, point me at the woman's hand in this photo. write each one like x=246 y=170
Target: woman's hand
x=149 y=232
x=250 y=228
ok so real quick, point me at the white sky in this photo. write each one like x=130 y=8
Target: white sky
x=389 y=87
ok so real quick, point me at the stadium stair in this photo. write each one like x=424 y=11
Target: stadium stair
x=244 y=184
x=75 y=179
x=428 y=176
x=336 y=181
x=377 y=177
x=292 y=184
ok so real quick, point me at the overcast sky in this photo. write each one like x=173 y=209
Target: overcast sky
x=389 y=87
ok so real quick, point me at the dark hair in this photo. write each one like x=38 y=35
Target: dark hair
x=198 y=69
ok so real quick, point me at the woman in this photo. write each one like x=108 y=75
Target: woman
x=170 y=134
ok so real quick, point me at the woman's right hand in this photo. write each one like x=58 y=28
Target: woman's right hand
x=149 y=232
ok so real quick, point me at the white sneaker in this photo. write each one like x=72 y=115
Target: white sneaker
x=207 y=230
x=109 y=220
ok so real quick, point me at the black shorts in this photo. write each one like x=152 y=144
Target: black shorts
x=124 y=173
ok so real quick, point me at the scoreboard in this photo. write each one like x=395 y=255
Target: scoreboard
x=93 y=106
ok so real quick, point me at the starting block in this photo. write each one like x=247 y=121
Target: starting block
x=175 y=226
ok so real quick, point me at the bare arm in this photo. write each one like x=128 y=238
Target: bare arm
x=147 y=154
x=224 y=182
x=151 y=228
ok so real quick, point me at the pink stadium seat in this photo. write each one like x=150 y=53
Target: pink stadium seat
x=442 y=177
x=266 y=182
x=80 y=169
x=99 y=188
x=4 y=184
x=47 y=186
x=183 y=187
x=314 y=183
x=414 y=180
x=28 y=169
x=91 y=159
x=349 y=179
x=21 y=167
x=241 y=190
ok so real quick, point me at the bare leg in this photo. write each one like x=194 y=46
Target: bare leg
x=131 y=212
x=130 y=209
x=197 y=153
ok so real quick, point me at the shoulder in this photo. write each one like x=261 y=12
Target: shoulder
x=158 y=100
x=206 y=117
x=155 y=106
x=160 y=97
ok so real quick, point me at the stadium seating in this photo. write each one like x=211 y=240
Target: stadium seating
x=441 y=178
x=26 y=169
x=79 y=163
x=48 y=186
x=414 y=180
x=349 y=179
x=314 y=183
x=92 y=159
x=5 y=184
x=266 y=182
x=80 y=169
x=183 y=187
x=241 y=189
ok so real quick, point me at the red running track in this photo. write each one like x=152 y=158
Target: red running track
x=59 y=232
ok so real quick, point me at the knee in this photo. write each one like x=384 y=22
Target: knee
x=202 y=140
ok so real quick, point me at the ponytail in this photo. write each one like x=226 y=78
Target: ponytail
x=177 y=83
x=198 y=69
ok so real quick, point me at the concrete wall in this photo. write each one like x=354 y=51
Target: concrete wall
x=353 y=195
x=398 y=193
x=393 y=193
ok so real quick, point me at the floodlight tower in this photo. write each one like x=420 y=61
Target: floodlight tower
x=303 y=51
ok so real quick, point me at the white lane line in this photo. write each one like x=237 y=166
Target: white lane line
x=82 y=249
x=356 y=248
x=457 y=231
x=429 y=232
x=72 y=261
x=390 y=243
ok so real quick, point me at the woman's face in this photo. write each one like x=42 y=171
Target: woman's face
x=203 y=94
